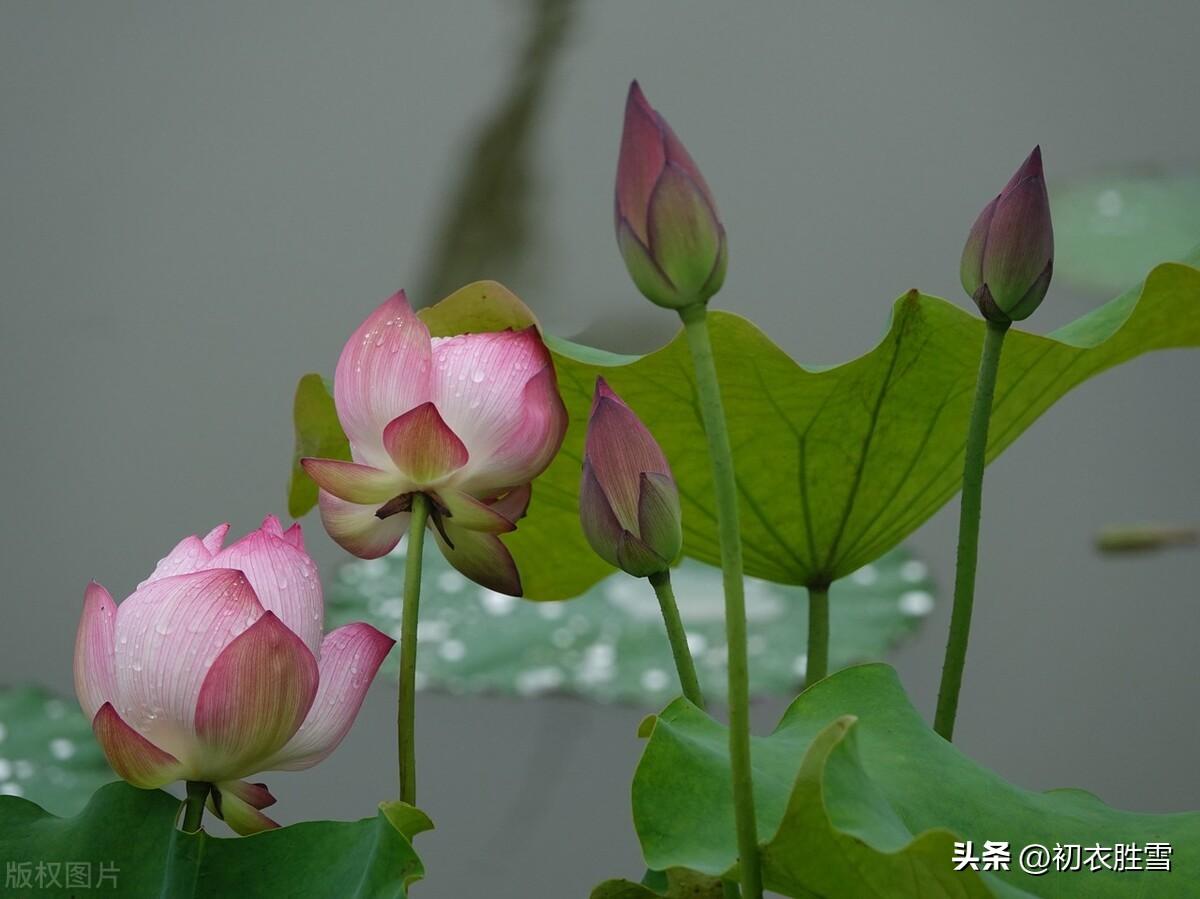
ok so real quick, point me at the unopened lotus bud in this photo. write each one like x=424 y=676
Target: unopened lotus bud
x=668 y=230
x=628 y=502
x=1009 y=256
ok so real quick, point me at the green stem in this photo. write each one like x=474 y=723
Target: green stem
x=406 y=709
x=684 y=664
x=193 y=805
x=968 y=531
x=817 y=665
x=695 y=322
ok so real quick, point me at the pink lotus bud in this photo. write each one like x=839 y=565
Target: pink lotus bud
x=667 y=224
x=467 y=421
x=628 y=502
x=1009 y=256
x=215 y=669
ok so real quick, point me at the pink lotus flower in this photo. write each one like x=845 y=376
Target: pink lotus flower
x=668 y=229
x=628 y=501
x=468 y=421
x=215 y=669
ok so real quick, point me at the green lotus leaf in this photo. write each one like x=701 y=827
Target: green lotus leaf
x=857 y=797
x=47 y=751
x=834 y=466
x=609 y=644
x=125 y=843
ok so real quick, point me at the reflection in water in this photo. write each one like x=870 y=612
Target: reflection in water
x=487 y=230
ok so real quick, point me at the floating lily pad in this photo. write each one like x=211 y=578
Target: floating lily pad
x=609 y=644
x=1109 y=230
x=47 y=752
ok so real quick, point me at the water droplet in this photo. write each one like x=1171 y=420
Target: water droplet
x=478 y=375
x=162 y=628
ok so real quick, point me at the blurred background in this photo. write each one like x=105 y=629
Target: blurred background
x=201 y=201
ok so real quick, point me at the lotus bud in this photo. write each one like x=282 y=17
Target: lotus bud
x=667 y=224
x=628 y=502
x=1009 y=256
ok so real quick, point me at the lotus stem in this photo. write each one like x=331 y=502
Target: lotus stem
x=817 y=663
x=695 y=321
x=684 y=664
x=193 y=805
x=968 y=530
x=406 y=708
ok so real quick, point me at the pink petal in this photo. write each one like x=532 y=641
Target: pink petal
x=620 y=449
x=464 y=511
x=295 y=536
x=423 y=446
x=235 y=803
x=284 y=579
x=354 y=482
x=168 y=634
x=482 y=558
x=215 y=538
x=515 y=503
x=350 y=657
x=271 y=525
x=600 y=525
x=686 y=238
x=382 y=373
x=254 y=698
x=253 y=794
x=641 y=160
x=95 y=674
x=358 y=530
x=134 y=758
x=498 y=392
x=190 y=554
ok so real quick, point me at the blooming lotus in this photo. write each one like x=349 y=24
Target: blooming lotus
x=668 y=230
x=1009 y=255
x=215 y=669
x=628 y=501
x=467 y=421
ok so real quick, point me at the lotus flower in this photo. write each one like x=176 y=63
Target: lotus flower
x=468 y=421
x=668 y=230
x=215 y=669
x=1009 y=256
x=628 y=501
